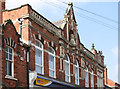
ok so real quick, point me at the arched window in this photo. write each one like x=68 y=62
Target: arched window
x=99 y=78
x=67 y=69
x=9 y=61
x=92 y=80
x=76 y=72
x=39 y=67
x=86 y=78
x=52 y=72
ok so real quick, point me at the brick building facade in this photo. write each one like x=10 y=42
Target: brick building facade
x=109 y=84
x=36 y=52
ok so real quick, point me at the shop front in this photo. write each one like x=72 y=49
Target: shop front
x=38 y=81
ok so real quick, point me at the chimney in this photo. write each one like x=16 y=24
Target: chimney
x=3 y=4
x=105 y=75
x=2 y=7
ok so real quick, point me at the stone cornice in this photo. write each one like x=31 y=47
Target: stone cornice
x=39 y=19
x=36 y=30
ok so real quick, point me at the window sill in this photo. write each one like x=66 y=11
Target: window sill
x=61 y=70
x=10 y=77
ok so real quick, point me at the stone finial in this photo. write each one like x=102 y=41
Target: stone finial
x=93 y=50
x=101 y=52
x=70 y=3
x=93 y=46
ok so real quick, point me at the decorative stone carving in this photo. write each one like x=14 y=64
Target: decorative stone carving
x=88 y=53
x=51 y=44
x=40 y=20
x=62 y=54
x=39 y=36
x=82 y=63
x=72 y=40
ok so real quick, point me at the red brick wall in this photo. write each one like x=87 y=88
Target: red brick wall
x=19 y=65
x=27 y=34
x=14 y=15
x=0 y=13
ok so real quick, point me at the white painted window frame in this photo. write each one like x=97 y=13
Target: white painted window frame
x=99 y=79
x=41 y=49
x=86 y=78
x=68 y=62
x=12 y=61
x=92 y=80
x=77 y=66
x=53 y=70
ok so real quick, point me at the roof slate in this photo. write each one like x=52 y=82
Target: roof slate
x=58 y=23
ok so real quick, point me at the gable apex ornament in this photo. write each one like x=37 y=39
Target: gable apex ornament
x=70 y=4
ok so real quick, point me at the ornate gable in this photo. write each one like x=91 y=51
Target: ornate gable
x=70 y=12
x=10 y=22
x=71 y=25
x=11 y=37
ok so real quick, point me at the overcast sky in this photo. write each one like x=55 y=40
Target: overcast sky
x=92 y=29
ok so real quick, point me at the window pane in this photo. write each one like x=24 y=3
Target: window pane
x=6 y=49
x=10 y=50
x=67 y=78
x=75 y=63
x=38 y=56
x=40 y=45
x=76 y=75
x=10 y=57
x=86 y=78
x=6 y=55
x=76 y=72
x=66 y=58
x=67 y=72
x=38 y=69
x=9 y=68
x=51 y=62
x=51 y=73
x=76 y=81
x=67 y=68
x=91 y=77
x=37 y=43
x=92 y=81
x=51 y=51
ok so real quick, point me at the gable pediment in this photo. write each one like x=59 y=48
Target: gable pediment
x=11 y=23
x=70 y=12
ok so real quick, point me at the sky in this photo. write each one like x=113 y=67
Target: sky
x=91 y=28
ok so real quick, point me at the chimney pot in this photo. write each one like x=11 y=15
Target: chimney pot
x=2 y=7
